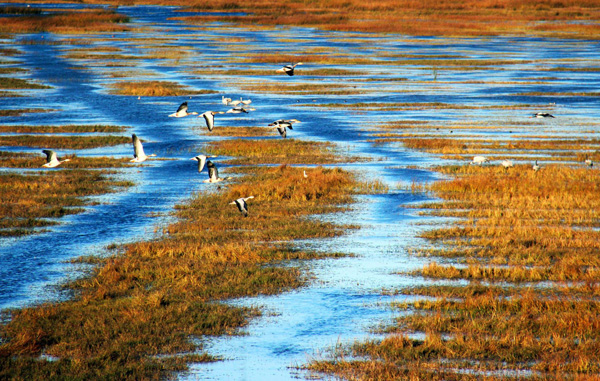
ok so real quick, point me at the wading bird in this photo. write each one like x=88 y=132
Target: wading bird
x=201 y=159
x=213 y=173
x=507 y=164
x=542 y=115
x=182 y=111
x=52 y=160
x=589 y=162
x=225 y=100
x=289 y=69
x=240 y=102
x=305 y=175
x=241 y=204
x=138 y=150
x=209 y=117
x=479 y=160
x=536 y=167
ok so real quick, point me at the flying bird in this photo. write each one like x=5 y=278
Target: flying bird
x=242 y=205
x=282 y=131
x=289 y=69
x=182 y=111
x=209 y=117
x=542 y=115
x=201 y=159
x=240 y=109
x=479 y=160
x=52 y=160
x=285 y=123
x=138 y=150
x=213 y=173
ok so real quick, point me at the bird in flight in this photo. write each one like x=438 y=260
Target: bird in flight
x=52 y=160
x=138 y=150
x=242 y=205
x=289 y=69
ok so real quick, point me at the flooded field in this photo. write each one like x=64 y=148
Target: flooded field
x=367 y=94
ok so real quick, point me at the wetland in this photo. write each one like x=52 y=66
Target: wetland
x=372 y=249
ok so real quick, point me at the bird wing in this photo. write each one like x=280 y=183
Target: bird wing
x=201 y=162
x=50 y=155
x=182 y=107
x=210 y=120
x=138 y=149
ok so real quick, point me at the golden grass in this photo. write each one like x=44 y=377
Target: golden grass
x=154 y=89
x=425 y=18
x=242 y=131
x=515 y=230
x=92 y=21
x=58 y=142
x=26 y=129
x=276 y=151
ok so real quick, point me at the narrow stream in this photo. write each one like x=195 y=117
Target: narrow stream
x=343 y=302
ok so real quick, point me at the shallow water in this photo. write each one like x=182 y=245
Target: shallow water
x=343 y=301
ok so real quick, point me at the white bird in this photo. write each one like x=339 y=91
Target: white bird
x=213 y=173
x=138 y=150
x=289 y=69
x=209 y=117
x=225 y=100
x=479 y=160
x=52 y=160
x=241 y=101
x=201 y=159
x=285 y=123
x=542 y=115
x=589 y=162
x=507 y=164
x=182 y=111
x=242 y=205
x=305 y=175
x=536 y=167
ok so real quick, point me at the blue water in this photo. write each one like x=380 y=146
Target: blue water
x=343 y=301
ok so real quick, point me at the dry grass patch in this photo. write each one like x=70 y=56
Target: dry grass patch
x=90 y=21
x=26 y=129
x=58 y=142
x=154 y=89
x=275 y=151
